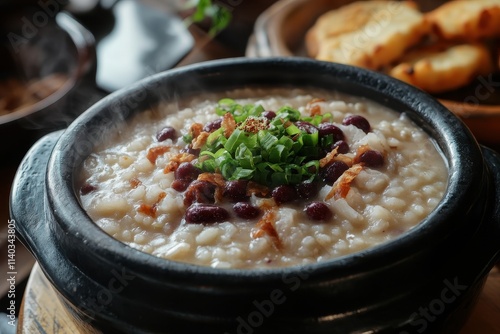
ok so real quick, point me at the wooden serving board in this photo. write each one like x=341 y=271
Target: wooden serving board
x=42 y=312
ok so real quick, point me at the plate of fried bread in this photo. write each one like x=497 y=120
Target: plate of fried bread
x=450 y=49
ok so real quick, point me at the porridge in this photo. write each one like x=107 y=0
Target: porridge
x=283 y=178
x=15 y=95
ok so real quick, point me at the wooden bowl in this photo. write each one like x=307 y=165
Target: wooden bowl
x=281 y=29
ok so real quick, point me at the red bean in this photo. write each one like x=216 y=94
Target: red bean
x=205 y=214
x=342 y=147
x=213 y=125
x=306 y=127
x=167 y=132
x=307 y=189
x=372 y=158
x=87 y=188
x=318 y=211
x=326 y=129
x=284 y=194
x=270 y=115
x=181 y=185
x=236 y=191
x=187 y=171
x=333 y=171
x=246 y=210
x=358 y=121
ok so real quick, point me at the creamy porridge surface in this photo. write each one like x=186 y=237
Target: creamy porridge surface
x=128 y=187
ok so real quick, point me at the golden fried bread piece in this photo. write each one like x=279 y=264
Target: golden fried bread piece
x=443 y=67
x=369 y=34
x=341 y=21
x=466 y=19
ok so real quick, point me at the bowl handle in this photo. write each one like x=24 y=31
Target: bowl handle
x=493 y=161
x=83 y=39
x=27 y=197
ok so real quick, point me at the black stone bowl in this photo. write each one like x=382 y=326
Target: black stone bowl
x=428 y=279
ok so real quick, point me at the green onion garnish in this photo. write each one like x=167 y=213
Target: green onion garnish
x=271 y=153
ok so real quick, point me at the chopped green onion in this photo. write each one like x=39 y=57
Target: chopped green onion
x=292 y=130
x=310 y=139
x=266 y=140
x=279 y=153
x=188 y=138
x=215 y=137
x=241 y=174
x=289 y=113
